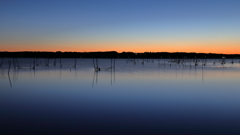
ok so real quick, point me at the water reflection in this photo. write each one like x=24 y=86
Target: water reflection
x=156 y=96
x=166 y=68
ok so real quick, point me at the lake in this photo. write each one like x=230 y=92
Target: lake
x=127 y=96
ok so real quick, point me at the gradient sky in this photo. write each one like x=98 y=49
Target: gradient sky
x=208 y=26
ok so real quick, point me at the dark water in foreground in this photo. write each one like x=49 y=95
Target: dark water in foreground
x=150 y=98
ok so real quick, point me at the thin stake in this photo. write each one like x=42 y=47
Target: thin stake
x=14 y=64
x=60 y=63
x=1 y=63
x=9 y=65
x=111 y=63
x=111 y=70
x=54 y=62
x=114 y=71
x=93 y=79
x=34 y=64
x=97 y=62
x=114 y=63
x=30 y=63
x=75 y=65
x=94 y=63
x=17 y=63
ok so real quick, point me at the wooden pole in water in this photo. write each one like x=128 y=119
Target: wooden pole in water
x=111 y=70
x=9 y=65
x=60 y=63
x=34 y=64
x=94 y=63
x=54 y=63
x=14 y=63
x=17 y=63
x=97 y=62
x=111 y=63
x=75 y=65
x=114 y=70
x=114 y=63
x=36 y=61
x=30 y=63
x=1 y=63
x=98 y=69
x=47 y=62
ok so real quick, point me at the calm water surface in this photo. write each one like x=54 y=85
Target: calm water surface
x=154 y=97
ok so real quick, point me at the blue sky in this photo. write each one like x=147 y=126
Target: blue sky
x=120 y=25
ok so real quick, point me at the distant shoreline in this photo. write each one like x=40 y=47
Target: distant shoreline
x=114 y=54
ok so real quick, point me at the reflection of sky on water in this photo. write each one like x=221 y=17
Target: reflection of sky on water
x=134 y=99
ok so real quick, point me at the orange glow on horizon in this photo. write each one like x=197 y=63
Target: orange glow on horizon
x=220 y=48
x=219 y=51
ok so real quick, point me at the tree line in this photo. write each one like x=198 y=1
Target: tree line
x=114 y=54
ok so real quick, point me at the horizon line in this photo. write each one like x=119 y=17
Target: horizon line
x=116 y=52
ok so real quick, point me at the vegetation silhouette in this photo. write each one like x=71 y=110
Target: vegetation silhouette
x=114 y=54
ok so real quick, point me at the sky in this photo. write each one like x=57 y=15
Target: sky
x=202 y=26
